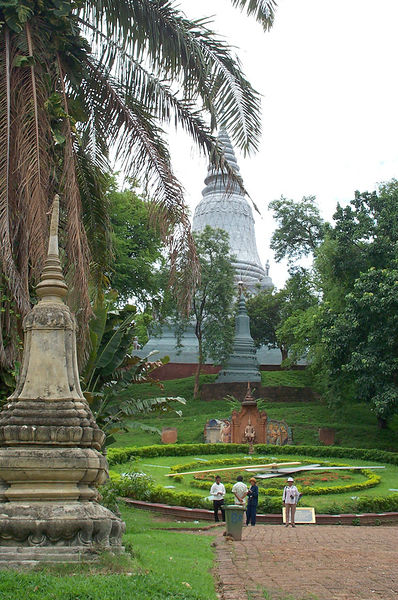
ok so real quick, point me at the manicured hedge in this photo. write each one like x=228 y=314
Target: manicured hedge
x=122 y=455
x=118 y=456
x=372 y=481
x=269 y=504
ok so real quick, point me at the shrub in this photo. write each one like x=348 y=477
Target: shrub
x=122 y=455
x=136 y=484
x=109 y=494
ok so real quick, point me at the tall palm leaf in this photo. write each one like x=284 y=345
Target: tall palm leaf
x=147 y=65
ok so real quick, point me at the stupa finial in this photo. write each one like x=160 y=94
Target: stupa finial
x=52 y=286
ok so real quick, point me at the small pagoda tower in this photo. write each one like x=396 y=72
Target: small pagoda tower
x=50 y=445
x=242 y=365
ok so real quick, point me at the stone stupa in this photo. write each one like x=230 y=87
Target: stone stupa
x=224 y=206
x=50 y=445
x=242 y=365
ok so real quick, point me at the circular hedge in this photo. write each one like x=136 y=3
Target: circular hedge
x=269 y=497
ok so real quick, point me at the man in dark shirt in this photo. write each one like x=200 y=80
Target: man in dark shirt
x=252 y=496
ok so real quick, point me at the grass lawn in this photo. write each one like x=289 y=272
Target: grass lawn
x=355 y=425
x=155 y=467
x=160 y=565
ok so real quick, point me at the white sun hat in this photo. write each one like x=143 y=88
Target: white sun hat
x=290 y=479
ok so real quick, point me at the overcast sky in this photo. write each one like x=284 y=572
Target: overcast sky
x=327 y=72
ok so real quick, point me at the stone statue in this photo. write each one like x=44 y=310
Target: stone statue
x=250 y=433
x=226 y=432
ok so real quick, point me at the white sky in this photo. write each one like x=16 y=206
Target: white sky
x=328 y=75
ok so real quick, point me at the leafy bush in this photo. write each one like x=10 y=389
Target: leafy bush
x=122 y=455
x=136 y=484
x=109 y=494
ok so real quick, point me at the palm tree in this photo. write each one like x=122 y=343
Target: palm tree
x=78 y=77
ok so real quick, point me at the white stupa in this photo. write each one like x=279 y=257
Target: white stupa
x=224 y=206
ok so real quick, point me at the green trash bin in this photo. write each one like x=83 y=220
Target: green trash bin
x=234 y=518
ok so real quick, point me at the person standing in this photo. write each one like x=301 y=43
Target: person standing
x=290 y=498
x=239 y=490
x=217 y=490
x=252 y=495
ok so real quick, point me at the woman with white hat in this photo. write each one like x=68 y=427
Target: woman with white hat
x=290 y=498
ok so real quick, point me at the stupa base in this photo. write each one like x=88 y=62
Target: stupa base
x=50 y=529
x=17 y=557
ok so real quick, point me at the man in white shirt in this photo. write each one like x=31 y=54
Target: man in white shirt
x=217 y=490
x=290 y=498
x=239 y=490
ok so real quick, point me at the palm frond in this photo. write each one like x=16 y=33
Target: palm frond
x=32 y=165
x=77 y=246
x=91 y=169
x=13 y=279
x=188 y=52
x=156 y=94
x=136 y=138
x=263 y=10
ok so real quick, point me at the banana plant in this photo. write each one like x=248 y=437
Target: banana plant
x=112 y=369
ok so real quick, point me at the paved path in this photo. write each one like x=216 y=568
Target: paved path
x=310 y=561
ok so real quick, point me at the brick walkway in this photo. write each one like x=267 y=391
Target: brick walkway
x=310 y=561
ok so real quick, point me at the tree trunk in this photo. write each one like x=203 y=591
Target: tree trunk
x=198 y=370
x=284 y=353
x=382 y=422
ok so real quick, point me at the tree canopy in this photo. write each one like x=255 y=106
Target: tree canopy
x=213 y=305
x=137 y=248
x=350 y=330
x=273 y=312
x=300 y=228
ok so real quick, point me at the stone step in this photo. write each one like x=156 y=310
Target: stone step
x=22 y=550
x=13 y=557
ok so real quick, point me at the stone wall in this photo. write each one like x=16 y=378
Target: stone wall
x=218 y=391
x=181 y=370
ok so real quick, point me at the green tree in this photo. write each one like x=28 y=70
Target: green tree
x=80 y=77
x=274 y=313
x=355 y=267
x=365 y=235
x=264 y=310
x=212 y=305
x=137 y=248
x=300 y=228
x=361 y=343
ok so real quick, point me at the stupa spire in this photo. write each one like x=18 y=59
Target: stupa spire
x=52 y=286
x=242 y=364
x=224 y=206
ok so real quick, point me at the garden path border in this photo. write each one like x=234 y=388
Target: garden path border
x=201 y=514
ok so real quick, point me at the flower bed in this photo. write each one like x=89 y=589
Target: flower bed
x=269 y=496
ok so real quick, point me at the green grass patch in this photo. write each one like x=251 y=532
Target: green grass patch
x=355 y=424
x=161 y=565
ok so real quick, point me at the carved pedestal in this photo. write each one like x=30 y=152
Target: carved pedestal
x=50 y=459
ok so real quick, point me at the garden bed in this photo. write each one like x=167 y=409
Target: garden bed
x=366 y=491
